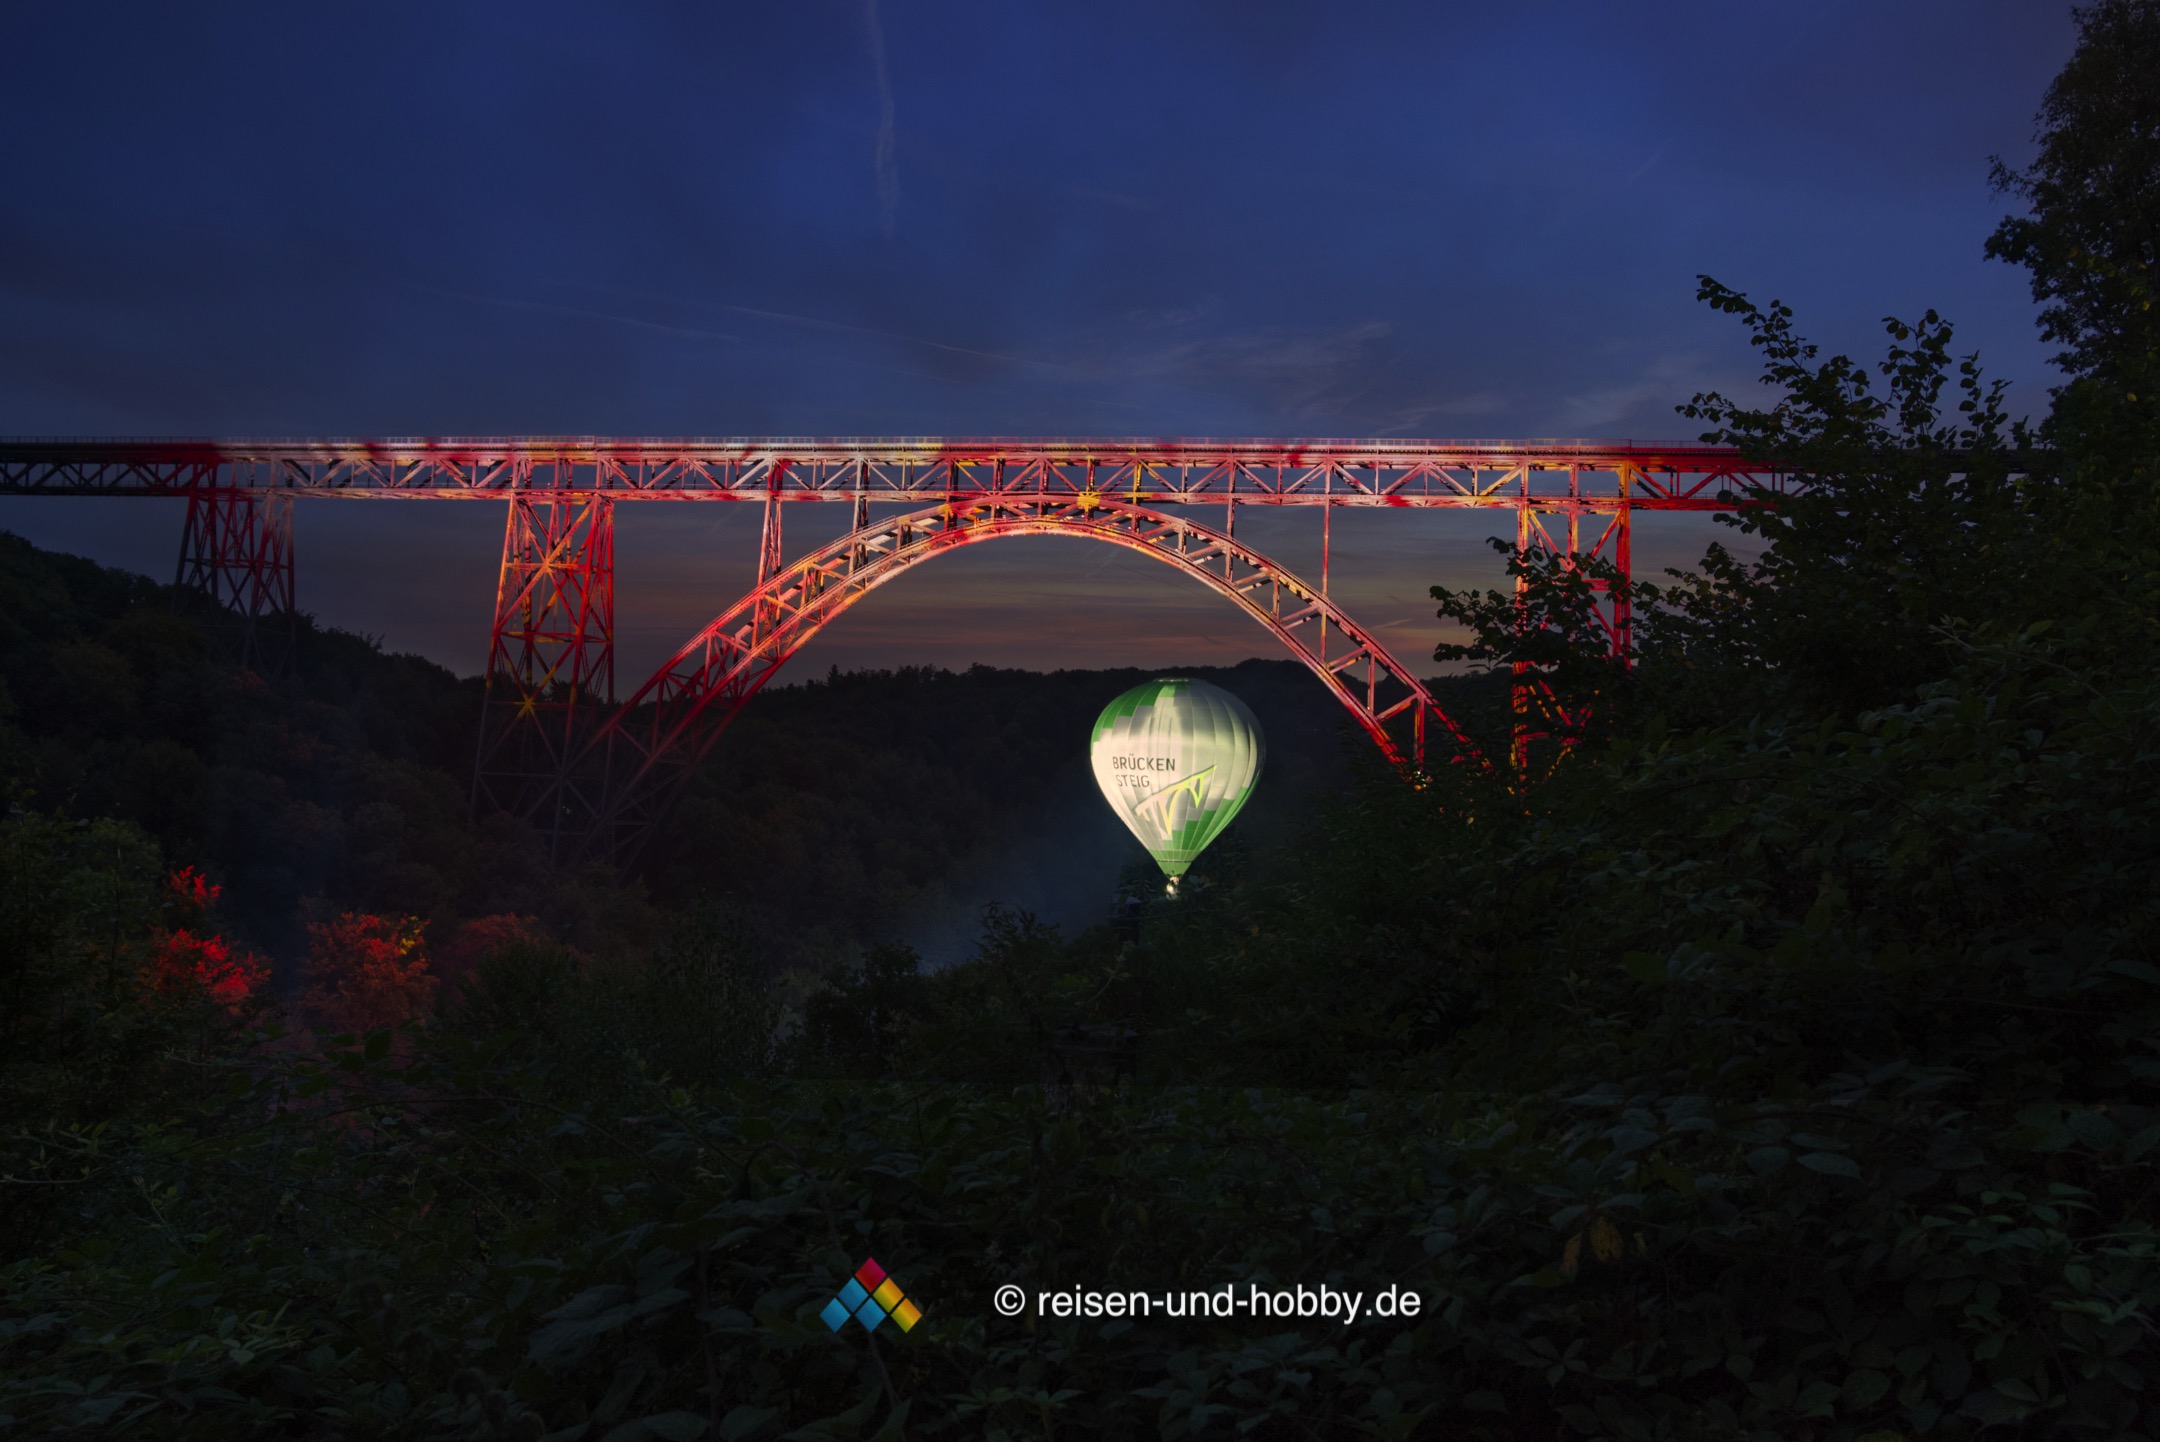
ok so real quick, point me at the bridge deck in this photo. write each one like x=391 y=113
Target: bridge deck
x=1592 y=475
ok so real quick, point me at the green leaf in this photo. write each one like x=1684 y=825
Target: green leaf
x=587 y=1303
x=2093 y=1129
x=841 y=1424
x=1815 y=1399
x=1767 y=1161
x=563 y=1342
x=745 y=1422
x=895 y=1425
x=1990 y=1407
x=674 y=1426
x=1865 y=1387
x=1830 y=1164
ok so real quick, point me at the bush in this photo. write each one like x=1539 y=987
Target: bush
x=365 y=973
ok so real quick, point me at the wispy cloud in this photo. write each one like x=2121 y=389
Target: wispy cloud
x=813 y=323
x=777 y=317
x=579 y=312
x=741 y=344
x=1299 y=372
x=1647 y=399
x=1413 y=417
x=888 y=169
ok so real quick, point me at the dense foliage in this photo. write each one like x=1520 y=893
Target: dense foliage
x=1782 y=1062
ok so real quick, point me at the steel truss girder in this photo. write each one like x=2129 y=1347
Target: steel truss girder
x=629 y=772
x=1588 y=474
x=551 y=651
x=236 y=547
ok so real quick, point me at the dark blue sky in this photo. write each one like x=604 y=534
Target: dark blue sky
x=963 y=218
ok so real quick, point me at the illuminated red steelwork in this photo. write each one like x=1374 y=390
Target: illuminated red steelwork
x=1560 y=475
x=551 y=654
x=596 y=778
x=1539 y=714
x=236 y=548
x=625 y=777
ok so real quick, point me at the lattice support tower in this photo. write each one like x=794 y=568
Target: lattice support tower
x=551 y=654
x=236 y=548
x=1579 y=536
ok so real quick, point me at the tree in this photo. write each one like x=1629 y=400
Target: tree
x=365 y=972
x=1550 y=633
x=1914 y=510
x=1916 y=505
x=189 y=960
x=2092 y=239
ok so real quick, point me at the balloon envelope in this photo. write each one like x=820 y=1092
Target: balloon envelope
x=1177 y=760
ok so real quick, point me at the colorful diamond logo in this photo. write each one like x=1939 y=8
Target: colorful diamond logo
x=869 y=1297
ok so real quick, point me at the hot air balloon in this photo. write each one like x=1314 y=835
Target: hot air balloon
x=1177 y=760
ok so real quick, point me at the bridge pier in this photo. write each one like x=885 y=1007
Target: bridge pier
x=237 y=549
x=1557 y=527
x=551 y=660
x=768 y=565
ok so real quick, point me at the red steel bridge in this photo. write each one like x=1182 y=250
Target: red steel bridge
x=596 y=773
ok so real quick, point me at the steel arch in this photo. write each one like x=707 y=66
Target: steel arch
x=629 y=771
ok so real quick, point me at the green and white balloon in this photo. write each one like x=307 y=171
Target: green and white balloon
x=1177 y=760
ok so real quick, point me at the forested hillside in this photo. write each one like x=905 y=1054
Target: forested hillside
x=336 y=789
x=850 y=810
x=1781 y=1061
